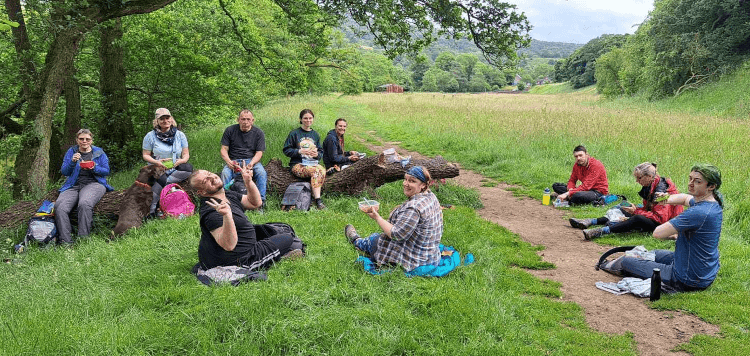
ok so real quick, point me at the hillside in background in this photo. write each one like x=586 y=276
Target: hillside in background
x=537 y=49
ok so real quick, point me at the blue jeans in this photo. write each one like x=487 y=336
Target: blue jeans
x=368 y=245
x=259 y=176
x=664 y=261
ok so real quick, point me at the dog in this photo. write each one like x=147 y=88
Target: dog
x=137 y=200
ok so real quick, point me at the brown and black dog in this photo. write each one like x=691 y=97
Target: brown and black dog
x=137 y=199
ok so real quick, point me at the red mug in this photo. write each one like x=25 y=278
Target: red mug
x=87 y=164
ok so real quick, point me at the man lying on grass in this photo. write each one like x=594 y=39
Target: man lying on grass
x=227 y=236
x=695 y=261
x=411 y=235
x=592 y=175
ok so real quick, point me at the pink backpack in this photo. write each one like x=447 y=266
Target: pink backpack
x=175 y=202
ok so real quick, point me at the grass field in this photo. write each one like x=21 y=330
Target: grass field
x=136 y=296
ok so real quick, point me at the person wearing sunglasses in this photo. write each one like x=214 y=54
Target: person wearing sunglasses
x=86 y=167
x=167 y=146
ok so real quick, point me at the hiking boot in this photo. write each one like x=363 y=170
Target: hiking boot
x=319 y=204
x=580 y=223
x=351 y=233
x=293 y=254
x=590 y=234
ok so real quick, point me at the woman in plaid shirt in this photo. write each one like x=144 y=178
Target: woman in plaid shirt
x=411 y=235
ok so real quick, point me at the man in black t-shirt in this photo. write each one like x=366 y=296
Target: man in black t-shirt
x=244 y=143
x=227 y=236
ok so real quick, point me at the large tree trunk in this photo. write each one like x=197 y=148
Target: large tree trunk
x=63 y=138
x=22 y=45
x=114 y=92
x=33 y=172
x=69 y=25
x=367 y=174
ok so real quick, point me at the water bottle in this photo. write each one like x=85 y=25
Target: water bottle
x=655 y=285
x=546 y=196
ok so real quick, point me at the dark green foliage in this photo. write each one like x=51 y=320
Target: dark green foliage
x=682 y=45
x=579 y=68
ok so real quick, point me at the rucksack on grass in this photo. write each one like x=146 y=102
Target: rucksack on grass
x=42 y=228
x=175 y=202
x=297 y=196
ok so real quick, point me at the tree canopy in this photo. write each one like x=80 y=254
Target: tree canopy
x=111 y=69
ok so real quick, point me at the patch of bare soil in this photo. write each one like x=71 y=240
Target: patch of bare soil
x=656 y=332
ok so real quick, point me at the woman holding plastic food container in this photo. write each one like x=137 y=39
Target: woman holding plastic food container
x=86 y=167
x=645 y=218
x=167 y=146
x=302 y=146
x=694 y=263
x=411 y=235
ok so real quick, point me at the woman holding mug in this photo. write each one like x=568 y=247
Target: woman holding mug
x=86 y=167
x=167 y=146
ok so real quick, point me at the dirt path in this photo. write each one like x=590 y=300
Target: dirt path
x=656 y=332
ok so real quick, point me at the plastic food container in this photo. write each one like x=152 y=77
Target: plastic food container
x=87 y=164
x=367 y=205
x=168 y=164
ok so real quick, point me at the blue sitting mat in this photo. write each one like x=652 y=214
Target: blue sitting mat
x=450 y=259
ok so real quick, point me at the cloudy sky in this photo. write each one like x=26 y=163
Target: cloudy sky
x=579 y=21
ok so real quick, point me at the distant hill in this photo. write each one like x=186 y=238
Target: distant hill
x=544 y=49
x=537 y=49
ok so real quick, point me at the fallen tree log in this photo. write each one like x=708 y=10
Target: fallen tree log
x=366 y=174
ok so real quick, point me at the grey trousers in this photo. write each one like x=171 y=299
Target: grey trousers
x=86 y=198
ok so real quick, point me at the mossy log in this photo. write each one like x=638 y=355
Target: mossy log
x=364 y=175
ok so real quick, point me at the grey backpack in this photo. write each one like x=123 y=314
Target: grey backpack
x=297 y=196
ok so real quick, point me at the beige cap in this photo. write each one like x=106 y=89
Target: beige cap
x=161 y=112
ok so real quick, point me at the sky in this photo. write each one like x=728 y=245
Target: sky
x=579 y=21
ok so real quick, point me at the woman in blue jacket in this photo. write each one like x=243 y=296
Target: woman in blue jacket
x=86 y=167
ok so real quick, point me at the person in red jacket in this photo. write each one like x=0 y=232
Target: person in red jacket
x=645 y=218
x=592 y=175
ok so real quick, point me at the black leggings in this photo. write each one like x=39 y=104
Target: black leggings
x=633 y=223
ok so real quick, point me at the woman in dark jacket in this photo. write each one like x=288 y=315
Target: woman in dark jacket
x=302 y=146
x=86 y=167
x=333 y=148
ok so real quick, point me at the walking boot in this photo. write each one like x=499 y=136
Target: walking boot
x=580 y=223
x=351 y=233
x=590 y=234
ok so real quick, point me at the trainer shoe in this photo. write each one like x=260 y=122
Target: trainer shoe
x=351 y=233
x=319 y=204
x=580 y=223
x=590 y=234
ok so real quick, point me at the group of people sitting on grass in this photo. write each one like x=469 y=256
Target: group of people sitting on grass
x=411 y=235
x=695 y=262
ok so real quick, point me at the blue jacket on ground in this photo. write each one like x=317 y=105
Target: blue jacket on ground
x=71 y=169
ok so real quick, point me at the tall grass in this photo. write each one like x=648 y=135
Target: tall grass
x=528 y=140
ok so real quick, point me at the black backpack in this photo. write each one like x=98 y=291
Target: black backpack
x=297 y=196
x=613 y=266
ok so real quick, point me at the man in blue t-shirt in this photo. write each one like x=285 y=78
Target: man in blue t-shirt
x=244 y=143
x=695 y=262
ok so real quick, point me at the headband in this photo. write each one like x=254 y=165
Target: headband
x=416 y=172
